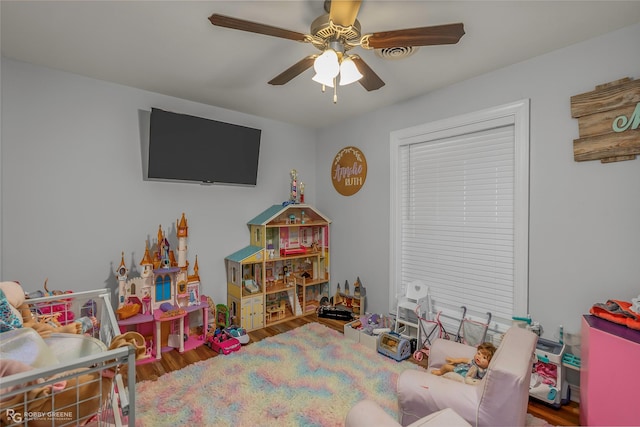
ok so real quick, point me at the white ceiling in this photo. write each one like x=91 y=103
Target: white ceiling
x=170 y=47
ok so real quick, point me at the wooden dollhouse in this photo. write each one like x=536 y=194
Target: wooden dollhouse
x=172 y=313
x=284 y=272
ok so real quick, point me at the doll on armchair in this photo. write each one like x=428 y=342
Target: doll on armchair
x=472 y=370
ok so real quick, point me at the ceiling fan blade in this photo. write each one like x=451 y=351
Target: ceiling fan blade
x=254 y=27
x=344 y=12
x=423 y=36
x=287 y=75
x=370 y=80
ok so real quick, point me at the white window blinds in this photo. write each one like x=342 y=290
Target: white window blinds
x=457 y=226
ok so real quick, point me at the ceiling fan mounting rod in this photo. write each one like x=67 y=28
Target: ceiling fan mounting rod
x=337 y=46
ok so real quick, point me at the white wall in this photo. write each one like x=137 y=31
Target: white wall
x=584 y=229
x=73 y=195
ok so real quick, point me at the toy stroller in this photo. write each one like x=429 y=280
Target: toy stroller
x=435 y=330
x=472 y=332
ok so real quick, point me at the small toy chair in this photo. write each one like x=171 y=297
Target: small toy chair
x=281 y=309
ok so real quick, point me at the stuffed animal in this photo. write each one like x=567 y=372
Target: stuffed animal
x=15 y=313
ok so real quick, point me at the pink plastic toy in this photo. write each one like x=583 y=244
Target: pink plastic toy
x=223 y=343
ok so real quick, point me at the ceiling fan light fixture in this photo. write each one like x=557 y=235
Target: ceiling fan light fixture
x=327 y=65
x=323 y=80
x=349 y=73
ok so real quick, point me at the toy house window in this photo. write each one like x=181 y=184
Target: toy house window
x=293 y=238
x=194 y=298
x=258 y=236
x=163 y=288
x=234 y=309
x=306 y=236
x=182 y=288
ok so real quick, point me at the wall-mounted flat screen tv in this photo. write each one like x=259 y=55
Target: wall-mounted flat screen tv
x=188 y=148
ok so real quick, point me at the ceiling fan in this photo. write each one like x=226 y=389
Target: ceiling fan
x=336 y=33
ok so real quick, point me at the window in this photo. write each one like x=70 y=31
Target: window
x=460 y=213
x=163 y=288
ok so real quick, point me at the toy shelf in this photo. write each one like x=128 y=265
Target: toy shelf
x=354 y=303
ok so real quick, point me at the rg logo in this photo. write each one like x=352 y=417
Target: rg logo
x=16 y=417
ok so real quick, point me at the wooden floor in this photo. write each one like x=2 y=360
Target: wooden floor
x=567 y=415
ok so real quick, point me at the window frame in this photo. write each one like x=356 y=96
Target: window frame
x=516 y=114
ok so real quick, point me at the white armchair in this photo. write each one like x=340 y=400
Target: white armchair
x=367 y=413
x=499 y=399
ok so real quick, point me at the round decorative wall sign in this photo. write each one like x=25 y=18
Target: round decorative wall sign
x=349 y=171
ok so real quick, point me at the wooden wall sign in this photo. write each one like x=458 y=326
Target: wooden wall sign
x=608 y=122
x=349 y=171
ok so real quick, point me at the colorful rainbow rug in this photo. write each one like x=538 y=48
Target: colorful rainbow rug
x=310 y=376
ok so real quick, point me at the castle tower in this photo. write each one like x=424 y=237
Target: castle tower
x=182 y=234
x=121 y=275
x=157 y=258
x=195 y=277
x=146 y=263
x=164 y=256
x=193 y=285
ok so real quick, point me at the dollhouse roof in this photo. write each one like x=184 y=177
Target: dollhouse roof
x=267 y=215
x=244 y=253
x=274 y=211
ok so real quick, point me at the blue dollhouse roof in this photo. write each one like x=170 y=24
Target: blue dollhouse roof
x=244 y=253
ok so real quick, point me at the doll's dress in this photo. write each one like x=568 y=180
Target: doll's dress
x=463 y=369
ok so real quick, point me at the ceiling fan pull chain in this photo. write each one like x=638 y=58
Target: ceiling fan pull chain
x=335 y=91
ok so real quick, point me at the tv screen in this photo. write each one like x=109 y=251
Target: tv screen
x=188 y=148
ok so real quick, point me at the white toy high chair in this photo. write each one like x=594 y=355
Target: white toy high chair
x=417 y=295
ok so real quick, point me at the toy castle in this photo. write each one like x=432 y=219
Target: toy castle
x=163 y=279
